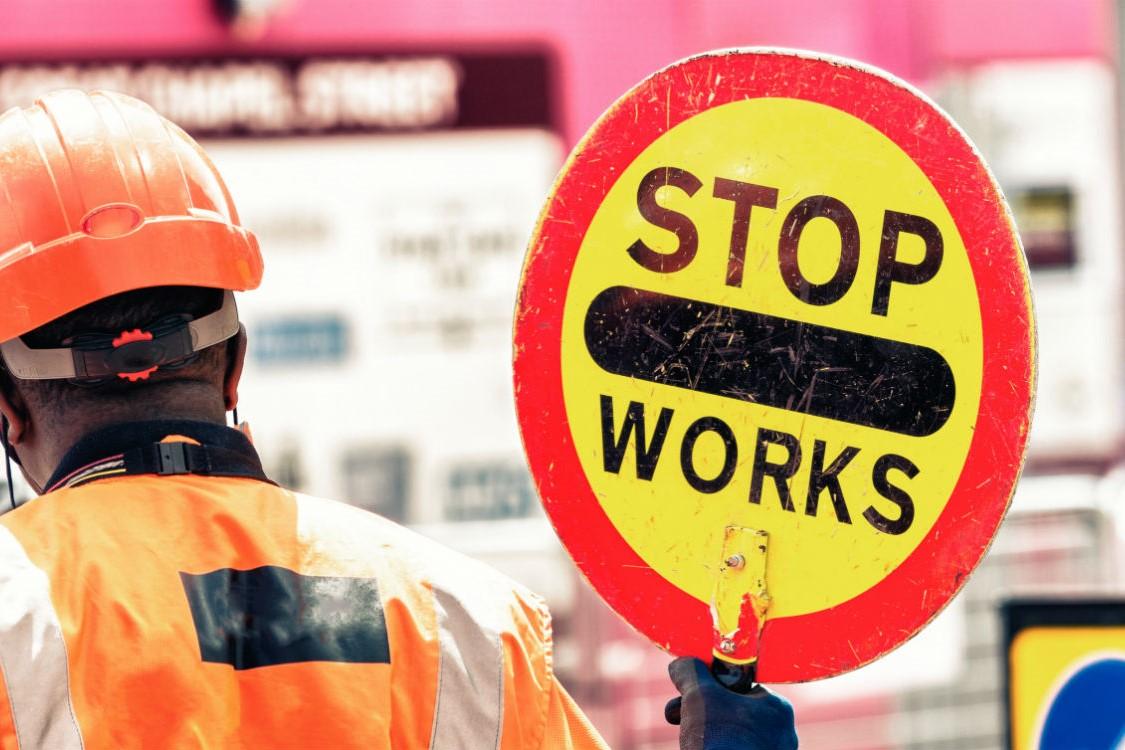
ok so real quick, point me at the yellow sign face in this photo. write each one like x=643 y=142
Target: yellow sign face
x=1045 y=661
x=773 y=360
x=830 y=250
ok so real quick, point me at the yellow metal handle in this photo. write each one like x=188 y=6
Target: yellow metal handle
x=740 y=601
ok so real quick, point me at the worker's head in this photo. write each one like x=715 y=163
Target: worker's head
x=119 y=249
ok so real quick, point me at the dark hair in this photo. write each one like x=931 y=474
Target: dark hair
x=135 y=309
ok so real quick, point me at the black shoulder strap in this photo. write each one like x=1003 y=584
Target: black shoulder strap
x=176 y=457
x=168 y=458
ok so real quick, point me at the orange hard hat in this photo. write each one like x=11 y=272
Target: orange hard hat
x=99 y=195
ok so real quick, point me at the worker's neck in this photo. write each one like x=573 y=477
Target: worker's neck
x=44 y=449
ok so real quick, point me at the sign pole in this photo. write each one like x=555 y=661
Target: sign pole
x=739 y=605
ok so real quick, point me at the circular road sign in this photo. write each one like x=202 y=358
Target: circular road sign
x=774 y=360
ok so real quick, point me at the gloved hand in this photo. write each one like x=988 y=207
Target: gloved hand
x=711 y=717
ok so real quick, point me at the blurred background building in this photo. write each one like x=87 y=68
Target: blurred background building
x=392 y=158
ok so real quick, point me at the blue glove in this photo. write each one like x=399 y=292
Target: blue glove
x=711 y=717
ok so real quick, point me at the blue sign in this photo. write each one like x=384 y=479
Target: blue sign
x=310 y=338
x=489 y=492
x=1088 y=712
x=378 y=479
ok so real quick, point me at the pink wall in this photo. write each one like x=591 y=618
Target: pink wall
x=603 y=46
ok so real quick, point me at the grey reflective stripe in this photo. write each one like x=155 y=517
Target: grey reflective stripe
x=473 y=605
x=33 y=654
x=470 y=700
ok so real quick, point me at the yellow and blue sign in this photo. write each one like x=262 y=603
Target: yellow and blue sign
x=1066 y=674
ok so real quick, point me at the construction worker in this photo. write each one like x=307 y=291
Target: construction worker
x=163 y=592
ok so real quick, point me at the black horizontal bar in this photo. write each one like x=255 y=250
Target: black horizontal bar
x=764 y=359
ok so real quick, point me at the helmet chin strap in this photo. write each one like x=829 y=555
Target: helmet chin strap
x=7 y=459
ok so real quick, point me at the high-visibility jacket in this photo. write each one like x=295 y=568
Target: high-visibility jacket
x=167 y=595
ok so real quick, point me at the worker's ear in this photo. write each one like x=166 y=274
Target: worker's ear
x=14 y=409
x=236 y=357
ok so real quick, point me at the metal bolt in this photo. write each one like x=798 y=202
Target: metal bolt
x=726 y=646
x=735 y=561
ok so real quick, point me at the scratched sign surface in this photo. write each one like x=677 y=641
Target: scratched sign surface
x=780 y=294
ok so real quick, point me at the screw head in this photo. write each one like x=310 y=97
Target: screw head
x=735 y=561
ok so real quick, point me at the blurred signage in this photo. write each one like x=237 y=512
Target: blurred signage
x=412 y=238
x=320 y=339
x=287 y=467
x=459 y=254
x=378 y=479
x=775 y=307
x=1045 y=217
x=1049 y=129
x=293 y=227
x=1065 y=674
x=264 y=96
x=488 y=492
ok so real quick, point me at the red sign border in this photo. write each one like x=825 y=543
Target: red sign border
x=832 y=641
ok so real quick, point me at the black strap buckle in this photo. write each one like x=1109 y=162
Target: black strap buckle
x=172 y=458
x=132 y=355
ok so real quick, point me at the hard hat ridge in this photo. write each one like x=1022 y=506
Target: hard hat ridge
x=99 y=195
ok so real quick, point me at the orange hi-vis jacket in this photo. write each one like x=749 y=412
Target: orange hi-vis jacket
x=165 y=594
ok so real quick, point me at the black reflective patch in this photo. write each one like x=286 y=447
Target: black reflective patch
x=272 y=615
